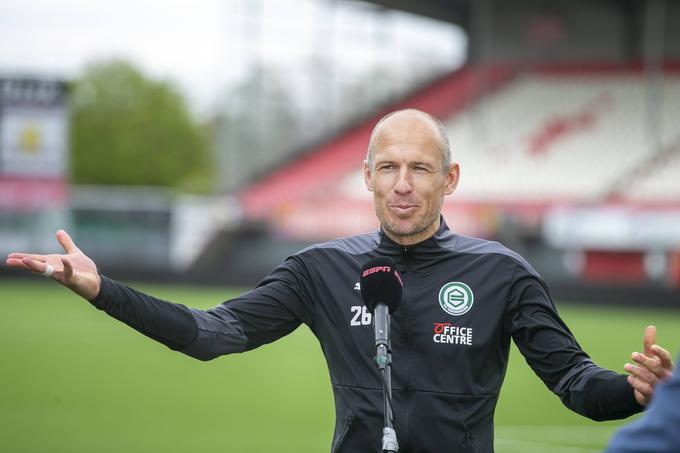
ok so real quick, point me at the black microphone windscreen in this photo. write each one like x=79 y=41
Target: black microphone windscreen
x=381 y=282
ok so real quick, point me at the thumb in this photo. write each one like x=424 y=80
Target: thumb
x=66 y=242
x=649 y=339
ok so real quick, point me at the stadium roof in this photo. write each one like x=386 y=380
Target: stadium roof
x=454 y=11
x=459 y=11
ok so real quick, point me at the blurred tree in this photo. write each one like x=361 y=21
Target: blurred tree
x=130 y=130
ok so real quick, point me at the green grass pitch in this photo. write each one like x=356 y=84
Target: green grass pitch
x=74 y=380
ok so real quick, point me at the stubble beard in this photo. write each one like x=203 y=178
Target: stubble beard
x=417 y=227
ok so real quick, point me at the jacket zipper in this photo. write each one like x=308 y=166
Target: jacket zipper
x=343 y=434
x=405 y=432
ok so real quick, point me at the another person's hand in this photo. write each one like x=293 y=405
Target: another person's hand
x=653 y=366
x=73 y=269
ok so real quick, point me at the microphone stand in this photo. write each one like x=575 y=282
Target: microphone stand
x=383 y=360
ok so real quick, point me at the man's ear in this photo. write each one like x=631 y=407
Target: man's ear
x=452 y=178
x=367 y=176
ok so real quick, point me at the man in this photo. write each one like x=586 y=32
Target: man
x=464 y=298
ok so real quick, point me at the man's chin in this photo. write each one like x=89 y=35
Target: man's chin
x=408 y=230
x=401 y=228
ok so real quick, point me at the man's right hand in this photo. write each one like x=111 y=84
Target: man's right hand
x=73 y=269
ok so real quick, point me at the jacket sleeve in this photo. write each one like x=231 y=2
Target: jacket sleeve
x=276 y=307
x=552 y=352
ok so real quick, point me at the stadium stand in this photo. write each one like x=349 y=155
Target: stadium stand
x=541 y=138
x=661 y=179
x=319 y=171
x=572 y=140
x=561 y=138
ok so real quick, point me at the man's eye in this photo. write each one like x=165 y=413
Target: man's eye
x=388 y=167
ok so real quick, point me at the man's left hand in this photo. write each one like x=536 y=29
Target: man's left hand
x=652 y=366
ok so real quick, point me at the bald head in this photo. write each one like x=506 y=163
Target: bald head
x=410 y=121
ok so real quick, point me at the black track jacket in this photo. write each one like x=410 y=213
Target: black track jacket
x=464 y=299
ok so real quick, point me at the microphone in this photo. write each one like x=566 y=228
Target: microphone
x=381 y=289
x=381 y=283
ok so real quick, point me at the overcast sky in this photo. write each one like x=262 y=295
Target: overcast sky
x=204 y=46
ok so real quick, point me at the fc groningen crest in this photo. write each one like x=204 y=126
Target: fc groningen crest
x=456 y=298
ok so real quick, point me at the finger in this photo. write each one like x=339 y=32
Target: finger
x=66 y=242
x=653 y=363
x=68 y=270
x=641 y=386
x=36 y=266
x=21 y=256
x=641 y=373
x=81 y=284
x=664 y=356
x=649 y=339
x=17 y=263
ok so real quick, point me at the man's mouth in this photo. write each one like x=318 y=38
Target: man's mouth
x=403 y=209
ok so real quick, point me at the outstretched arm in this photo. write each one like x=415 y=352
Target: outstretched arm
x=275 y=308
x=168 y=323
x=73 y=269
x=553 y=353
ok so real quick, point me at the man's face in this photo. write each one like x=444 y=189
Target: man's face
x=408 y=181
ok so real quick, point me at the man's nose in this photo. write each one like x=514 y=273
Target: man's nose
x=403 y=184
